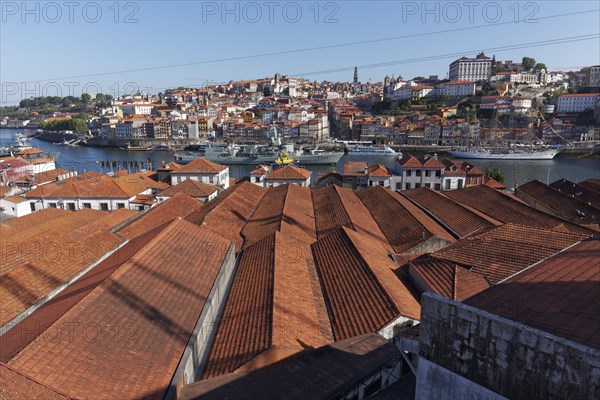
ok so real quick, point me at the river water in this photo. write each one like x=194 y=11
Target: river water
x=83 y=158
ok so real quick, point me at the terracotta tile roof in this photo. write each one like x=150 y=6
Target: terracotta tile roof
x=22 y=334
x=154 y=299
x=579 y=192
x=180 y=205
x=322 y=373
x=296 y=283
x=356 y=298
x=540 y=195
x=249 y=305
x=379 y=170
x=298 y=218
x=494 y=184
x=261 y=170
x=39 y=259
x=40 y=160
x=403 y=224
x=50 y=175
x=290 y=173
x=408 y=161
x=507 y=209
x=460 y=219
x=503 y=251
x=227 y=214
x=190 y=187
x=15 y=199
x=17 y=386
x=447 y=279
x=136 y=183
x=17 y=225
x=592 y=183
x=29 y=151
x=200 y=166
x=559 y=295
x=329 y=210
x=266 y=219
x=93 y=185
x=4 y=190
x=355 y=168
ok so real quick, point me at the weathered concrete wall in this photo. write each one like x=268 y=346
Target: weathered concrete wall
x=511 y=359
x=448 y=385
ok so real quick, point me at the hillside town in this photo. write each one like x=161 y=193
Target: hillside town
x=481 y=101
x=422 y=278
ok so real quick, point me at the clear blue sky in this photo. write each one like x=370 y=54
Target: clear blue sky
x=161 y=33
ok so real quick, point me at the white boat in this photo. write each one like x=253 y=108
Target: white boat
x=506 y=154
x=372 y=151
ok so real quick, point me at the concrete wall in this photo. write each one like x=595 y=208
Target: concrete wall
x=198 y=347
x=506 y=357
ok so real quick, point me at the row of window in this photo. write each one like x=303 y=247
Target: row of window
x=71 y=206
x=427 y=173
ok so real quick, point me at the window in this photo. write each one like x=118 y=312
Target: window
x=257 y=179
x=87 y=205
x=438 y=186
x=120 y=205
x=438 y=173
x=407 y=186
x=428 y=185
x=408 y=172
x=417 y=185
x=52 y=205
x=460 y=183
x=32 y=206
x=447 y=184
x=71 y=206
x=104 y=206
x=398 y=186
x=427 y=173
x=418 y=172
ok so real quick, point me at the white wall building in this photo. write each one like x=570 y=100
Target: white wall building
x=202 y=170
x=572 y=103
x=471 y=69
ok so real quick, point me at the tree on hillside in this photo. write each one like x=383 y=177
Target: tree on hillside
x=86 y=98
x=528 y=63
x=540 y=66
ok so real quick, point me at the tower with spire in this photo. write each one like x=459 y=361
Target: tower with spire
x=356 y=75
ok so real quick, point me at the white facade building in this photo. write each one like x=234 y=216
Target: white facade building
x=572 y=103
x=471 y=69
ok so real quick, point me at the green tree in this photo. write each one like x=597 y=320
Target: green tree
x=540 y=66
x=495 y=173
x=86 y=98
x=528 y=63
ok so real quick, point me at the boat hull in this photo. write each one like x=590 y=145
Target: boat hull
x=310 y=159
x=534 y=155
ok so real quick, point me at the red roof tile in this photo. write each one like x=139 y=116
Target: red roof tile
x=289 y=173
x=200 y=166
x=506 y=209
x=227 y=214
x=403 y=224
x=503 y=251
x=560 y=295
x=180 y=205
x=40 y=259
x=447 y=279
x=17 y=386
x=152 y=302
x=458 y=218
x=190 y=187
x=548 y=199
